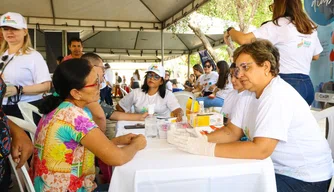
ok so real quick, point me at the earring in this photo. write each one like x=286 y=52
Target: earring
x=267 y=74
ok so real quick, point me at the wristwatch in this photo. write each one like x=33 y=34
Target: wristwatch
x=229 y=29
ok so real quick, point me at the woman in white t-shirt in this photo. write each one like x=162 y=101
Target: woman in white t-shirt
x=232 y=97
x=154 y=92
x=24 y=70
x=220 y=89
x=136 y=80
x=207 y=80
x=296 y=38
x=277 y=122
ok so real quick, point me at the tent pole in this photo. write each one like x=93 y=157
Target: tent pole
x=35 y=38
x=64 y=33
x=162 y=47
x=188 y=65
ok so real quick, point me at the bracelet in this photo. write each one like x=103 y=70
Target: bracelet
x=20 y=92
x=229 y=29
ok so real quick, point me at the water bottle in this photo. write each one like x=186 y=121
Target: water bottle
x=151 y=127
x=201 y=107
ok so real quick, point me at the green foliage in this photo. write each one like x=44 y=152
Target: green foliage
x=226 y=10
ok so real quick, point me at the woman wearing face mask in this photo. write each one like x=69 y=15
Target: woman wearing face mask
x=277 y=122
x=296 y=38
x=24 y=71
x=154 y=92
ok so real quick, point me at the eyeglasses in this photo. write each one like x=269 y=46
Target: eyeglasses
x=153 y=75
x=166 y=74
x=243 y=67
x=97 y=83
x=271 y=7
x=207 y=66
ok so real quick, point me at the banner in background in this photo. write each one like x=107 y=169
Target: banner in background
x=204 y=55
x=322 y=12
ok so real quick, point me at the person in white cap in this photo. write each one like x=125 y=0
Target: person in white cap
x=24 y=70
x=154 y=92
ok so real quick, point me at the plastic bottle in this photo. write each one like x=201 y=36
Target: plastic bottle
x=201 y=107
x=151 y=127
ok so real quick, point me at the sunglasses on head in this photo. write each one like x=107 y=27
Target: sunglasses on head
x=153 y=75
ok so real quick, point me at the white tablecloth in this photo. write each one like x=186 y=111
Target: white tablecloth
x=162 y=167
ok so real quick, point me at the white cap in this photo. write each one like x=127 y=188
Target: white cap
x=158 y=69
x=14 y=20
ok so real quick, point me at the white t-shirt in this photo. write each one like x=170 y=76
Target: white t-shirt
x=230 y=102
x=281 y=113
x=198 y=81
x=140 y=100
x=296 y=49
x=109 y=76
x=206 y=80
x=169 y=86
x=222 y=93
x=25 y=70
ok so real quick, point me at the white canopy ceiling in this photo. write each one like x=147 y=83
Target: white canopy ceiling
x=118 y=30
x=102 y=14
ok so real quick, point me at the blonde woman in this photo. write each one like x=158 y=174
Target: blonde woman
x=24 y=70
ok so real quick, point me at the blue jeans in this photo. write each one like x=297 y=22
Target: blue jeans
x=302 y=83
x=105 y=95
x=216 y=102
x=289 y=184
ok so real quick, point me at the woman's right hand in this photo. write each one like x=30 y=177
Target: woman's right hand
x=139 y=141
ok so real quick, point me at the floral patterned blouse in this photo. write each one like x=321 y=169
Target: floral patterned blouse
x=60 y=162
x=5 y=140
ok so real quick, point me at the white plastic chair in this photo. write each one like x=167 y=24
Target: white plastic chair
x=22 y=176
x=329 y=114
x=182 y=97
x=27 y=111
x=123 y=91
x=25 y=125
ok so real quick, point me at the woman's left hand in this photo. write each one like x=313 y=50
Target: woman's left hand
x=10 y=91
x=125 y=139
x=212 y=87
x=178 y=113
x=226 y=38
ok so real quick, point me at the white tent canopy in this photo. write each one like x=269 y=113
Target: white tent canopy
x=103 y=14
x=118 y=30
x=144 y=46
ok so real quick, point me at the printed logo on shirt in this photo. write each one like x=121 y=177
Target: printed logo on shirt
x=304 y=43
x=7 y=19
x=246 y=132
x=144 y=110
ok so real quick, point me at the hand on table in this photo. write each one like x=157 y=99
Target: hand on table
x=125 y=139
x=142 y=116
x=196 y=145
x=139 y=141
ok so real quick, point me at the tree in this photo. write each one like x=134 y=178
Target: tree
x=243 y=12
